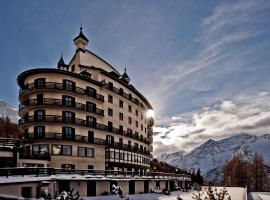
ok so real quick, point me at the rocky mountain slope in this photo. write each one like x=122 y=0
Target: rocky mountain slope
x=211 y=155
x=9 y=110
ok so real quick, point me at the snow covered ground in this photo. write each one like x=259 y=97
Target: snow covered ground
x=260 y=195
x=236 y=193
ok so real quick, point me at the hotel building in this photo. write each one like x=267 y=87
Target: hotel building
x=83 y=115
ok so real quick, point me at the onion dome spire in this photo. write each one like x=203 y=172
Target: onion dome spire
x=61 y=63
x=81 y=40
x=125 y=77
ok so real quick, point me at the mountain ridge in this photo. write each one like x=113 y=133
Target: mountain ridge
x=211 y=155
x=7 y=109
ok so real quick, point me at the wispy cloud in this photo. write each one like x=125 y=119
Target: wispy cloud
x=244 y=114
x=223 y=104
x=220 y=52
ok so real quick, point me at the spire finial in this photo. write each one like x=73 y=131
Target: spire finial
x=125 y=68
x=81 y=26
x=61 y=55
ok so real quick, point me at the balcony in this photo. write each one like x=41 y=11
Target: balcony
x=61 y=87
x=78 y=122
x=60 y=102
x=123 y=94
x=99 y=173
x=35 y=155
x=30 y=137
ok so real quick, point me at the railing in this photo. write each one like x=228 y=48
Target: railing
x=80 y=138
x=61 y=86
x=60 y=102
x=125 y=95
x=79 y=122
x=104 y=173
x=38 y=155
x=9 y=143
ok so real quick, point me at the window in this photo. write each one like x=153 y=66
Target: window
x=90 y=167
x=116 y=154
x=56 y=149
x=86 y=75
x=40 y=148
x=136 y=146
x=110 y=85
x=40 y=83
x=120 y=129
x=68 y=166
x=141 y=116
x=120 y=141
x=136 y=135
x=121 y=116
x=110 y=126
x=141 y=137
x=39 y=131
x=110 y=98
x=69 y=85
x=121 y=91
x=129 y=144
x=85 y=152
x=137 y=124
x=90 y=136
x=26 y=192
x=66 y=150
x=68 y=133
x=39 y=115
x=129 y=108
x=68 y=101
x=110 y=112
x=130 y=96
x=91 y=121
x=129 y=131
x=91 y=91
x=121 y=104
x=137 y=113
x=68 y=117
x=129 y=120
x=61 y=149
x=39 y=99
x=110 y=140
x=122 y=158
x=90 y=106
x=141 y=127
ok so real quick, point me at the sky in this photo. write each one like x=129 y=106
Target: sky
x=203 y=65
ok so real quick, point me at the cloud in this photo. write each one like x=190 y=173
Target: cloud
x=223 y=52
x=243 y=114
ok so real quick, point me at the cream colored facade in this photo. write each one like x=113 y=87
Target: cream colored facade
x=84 y=115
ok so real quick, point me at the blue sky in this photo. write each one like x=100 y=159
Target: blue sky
x=199 y=62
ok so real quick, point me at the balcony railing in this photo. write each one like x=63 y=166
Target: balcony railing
x=60 y=102
x=79 y=122
x=61 y=86
x=9 y=143
x=37 y=155
x=99 y=173
x=30 y=137
x=123 y=94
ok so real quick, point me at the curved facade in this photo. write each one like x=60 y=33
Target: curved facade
x=83 y=115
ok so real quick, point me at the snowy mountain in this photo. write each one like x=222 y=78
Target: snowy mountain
x=211 y=155
x=171 y=156
x=9 y=110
